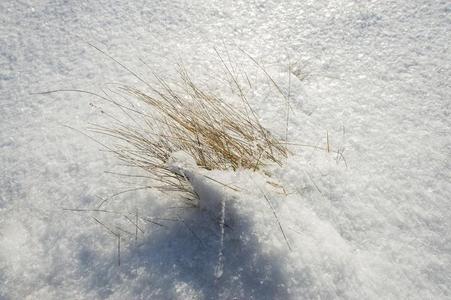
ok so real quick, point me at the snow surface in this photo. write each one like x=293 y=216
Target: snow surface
x=373 y=75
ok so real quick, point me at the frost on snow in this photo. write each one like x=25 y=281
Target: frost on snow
x=370 y=219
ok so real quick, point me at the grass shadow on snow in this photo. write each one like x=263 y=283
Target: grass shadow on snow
x=183 y=257
x=177 y=255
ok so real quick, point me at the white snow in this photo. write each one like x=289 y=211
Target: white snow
x=373 y=76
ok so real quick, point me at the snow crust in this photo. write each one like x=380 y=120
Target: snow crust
x=373 y=76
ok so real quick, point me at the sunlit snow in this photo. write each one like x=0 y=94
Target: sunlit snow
x=370 y=219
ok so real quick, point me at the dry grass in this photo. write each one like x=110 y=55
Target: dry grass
x=181 y=116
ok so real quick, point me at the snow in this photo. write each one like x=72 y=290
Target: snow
x=373 y=76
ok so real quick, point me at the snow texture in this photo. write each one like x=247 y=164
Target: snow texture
x=373 y=76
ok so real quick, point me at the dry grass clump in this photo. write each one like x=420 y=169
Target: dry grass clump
x=184 y=117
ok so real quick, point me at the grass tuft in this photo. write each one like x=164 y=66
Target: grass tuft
x=184 y=117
